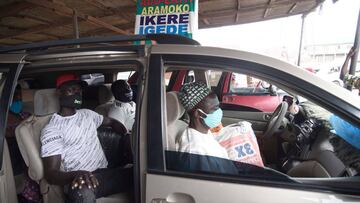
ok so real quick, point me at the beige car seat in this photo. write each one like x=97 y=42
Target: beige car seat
x=28 y=137
x=175 y=127
x=28 y=100
x=106 y=99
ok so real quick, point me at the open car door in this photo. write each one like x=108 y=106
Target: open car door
x=10 y=66
x=171 y=176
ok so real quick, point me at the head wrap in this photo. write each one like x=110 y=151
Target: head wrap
x=193 y=93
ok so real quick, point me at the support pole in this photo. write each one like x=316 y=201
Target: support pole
x=356 y=46
x=76 y=27
x=301 y=38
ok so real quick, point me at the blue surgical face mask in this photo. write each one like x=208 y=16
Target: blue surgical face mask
x=16 y=106
x=213 y=119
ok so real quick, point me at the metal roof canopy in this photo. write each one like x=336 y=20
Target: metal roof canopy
x=26 y=21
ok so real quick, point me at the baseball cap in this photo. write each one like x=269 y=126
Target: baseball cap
x=68 y=78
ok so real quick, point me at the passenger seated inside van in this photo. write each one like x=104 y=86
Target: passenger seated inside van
x=30 y=190
x=205 y=113
x=71 y=151
x=236 y=142
x=123 y=108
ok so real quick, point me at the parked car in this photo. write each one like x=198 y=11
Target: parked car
x=236 y=90
x=302 y=157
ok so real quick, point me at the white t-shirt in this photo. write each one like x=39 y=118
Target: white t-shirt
x=124 y=113
x=75 y=139
x=195 y=142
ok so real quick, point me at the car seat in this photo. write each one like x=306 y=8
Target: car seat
x=28 y=100
x=105 y=99
x=175 y=127
x=94 y=96
x=28 y=137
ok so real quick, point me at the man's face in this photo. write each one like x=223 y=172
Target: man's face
x=70 y=90
x=209 y=104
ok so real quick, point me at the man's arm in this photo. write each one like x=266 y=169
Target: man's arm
x=115 y=125
x=344 y=68
x=53 y=174
x=56 y=177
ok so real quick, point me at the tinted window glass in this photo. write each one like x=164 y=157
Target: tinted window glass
x=2 y=82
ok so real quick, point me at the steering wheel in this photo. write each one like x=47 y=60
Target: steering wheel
x=275 y=119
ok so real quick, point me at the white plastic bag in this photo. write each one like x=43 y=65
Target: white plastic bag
x=240 y=143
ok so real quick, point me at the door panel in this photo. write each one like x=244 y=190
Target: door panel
x=164 y=188
x=7 y=184
x=257 y=119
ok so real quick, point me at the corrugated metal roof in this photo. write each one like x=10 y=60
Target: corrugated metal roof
x=29 y=21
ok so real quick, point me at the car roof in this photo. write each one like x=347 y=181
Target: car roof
x=109 y=40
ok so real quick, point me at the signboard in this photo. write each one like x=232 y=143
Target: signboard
x=166 y=17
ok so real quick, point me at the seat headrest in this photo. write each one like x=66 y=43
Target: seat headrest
x=27 y=95
x=105 y=94
x=174 y=108
x=46 y=102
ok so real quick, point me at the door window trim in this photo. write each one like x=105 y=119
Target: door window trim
x=13 y=71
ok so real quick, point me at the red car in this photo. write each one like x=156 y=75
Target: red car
x=234 y=90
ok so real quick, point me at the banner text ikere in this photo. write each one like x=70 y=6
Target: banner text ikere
x=171 y=24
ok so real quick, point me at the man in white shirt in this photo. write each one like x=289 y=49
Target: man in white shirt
x=123 y=108
x=72 y=153
x=205 y=113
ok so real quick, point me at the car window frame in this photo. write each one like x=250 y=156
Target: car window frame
x=155 y=141
x=13 y=72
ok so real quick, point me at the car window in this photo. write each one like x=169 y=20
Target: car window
x=214 y=78
x=168 y=77
x=93 y=78
x=124 y=75
x=2 y=82
x=247 y=85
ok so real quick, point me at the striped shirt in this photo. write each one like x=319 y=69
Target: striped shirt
x=75 y=139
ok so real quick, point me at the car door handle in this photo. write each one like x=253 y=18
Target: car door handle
x=267 y=117
x=159 y=200
x=174 y=198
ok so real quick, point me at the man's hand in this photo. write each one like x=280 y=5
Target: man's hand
x=351 y=52
x=84 y=179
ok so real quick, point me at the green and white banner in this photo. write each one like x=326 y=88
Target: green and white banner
x=166 y=17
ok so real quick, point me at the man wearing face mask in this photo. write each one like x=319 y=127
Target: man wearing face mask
x=71 y=151
x=205 y=113
x=15 y=117
x=123 y=108
x=31 y=191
